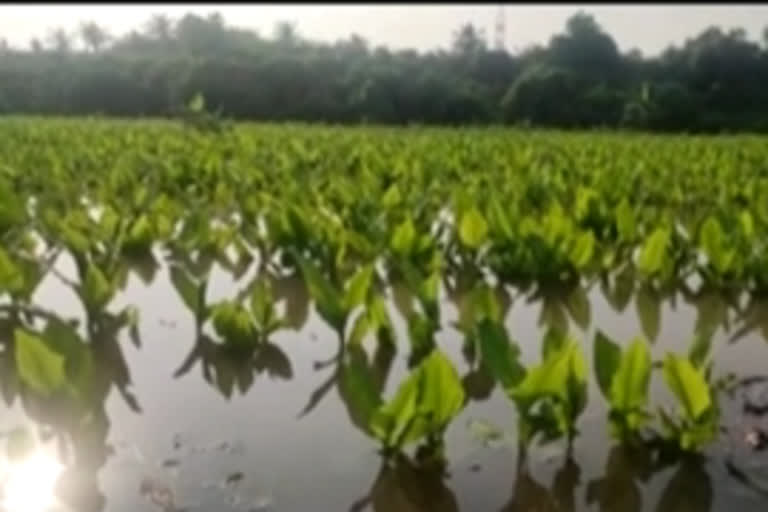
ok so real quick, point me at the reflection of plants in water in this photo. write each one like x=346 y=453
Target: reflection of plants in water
x=245 y=350
x=28 y=474
x=422 y=408
x=689 y=488
x=550 y=397
x=225 y=369
x=335 y=302
x=528 y=494
x=618 y=488
x=696 y=423
x=62 y=381
x=410 y=484
x=624 y=378
x=241 y=328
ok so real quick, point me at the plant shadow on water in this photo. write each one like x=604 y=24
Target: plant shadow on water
x=63 y=385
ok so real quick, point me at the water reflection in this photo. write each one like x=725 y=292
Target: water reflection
x=29 y=484
x=619 y=488
x=225 y=369
x=80 y=426
x=76 y=422
x=409 y=484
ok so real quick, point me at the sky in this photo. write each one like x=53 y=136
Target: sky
x=650 y=28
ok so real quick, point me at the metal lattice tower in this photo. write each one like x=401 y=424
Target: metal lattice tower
x=500 y=29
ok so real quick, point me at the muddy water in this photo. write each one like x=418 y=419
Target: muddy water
x=182 y=420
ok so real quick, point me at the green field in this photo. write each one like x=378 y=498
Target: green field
x=386 y=229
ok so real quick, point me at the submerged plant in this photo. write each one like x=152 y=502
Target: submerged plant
x=624 y=378
x=695 y=424
x=423 y=406
x=242 y=328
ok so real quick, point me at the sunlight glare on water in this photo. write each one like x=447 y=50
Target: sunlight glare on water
x=29 y=484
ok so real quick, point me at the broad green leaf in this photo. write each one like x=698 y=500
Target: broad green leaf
x=585 y=198
x=653 y=253
x=688 y=385
x=392 y=197
x=607 y=356
x=498 y=354
x=96 y=289
x=442 y=392
x=554 y=341
x=579 y=307
x=263 y=307
x=39 y=366
x=73 y=238
x=583 y=250
x=424 y=403
x=108 y=222
x=421 y=334
x=360 y=328
x=140 y=234
x=328 y=300
x=479 y=304
x=429 y=289
x=649 y=311
x=358 y=286
x=473 y=229
x=233 y=324
x=356 y=386
x=186 y=288
x=700 y=348
x=629 y=387
x=378 y=315
x=711 y=237
x=11 y=276
x=404 y=238
x=78 y=366
x=712 y=240
x=396 y=421
x=550 y=378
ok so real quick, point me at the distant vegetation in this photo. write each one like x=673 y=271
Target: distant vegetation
x=714 y=82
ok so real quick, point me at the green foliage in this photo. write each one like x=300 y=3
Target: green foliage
x=423 y=405
x=623 y=379
x=96 y=290
x=551 y=396
x=654 y=252
x=578 y=79
x=696 y=423
x=243 y=329
x=352 y=218
x=473 y=229
x=40 y=367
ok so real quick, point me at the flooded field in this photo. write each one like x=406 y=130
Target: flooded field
x=177 y=423
x=292 y=318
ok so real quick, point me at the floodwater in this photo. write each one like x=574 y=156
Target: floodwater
x=182 y=426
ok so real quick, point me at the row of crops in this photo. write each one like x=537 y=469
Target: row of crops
x=371 y=214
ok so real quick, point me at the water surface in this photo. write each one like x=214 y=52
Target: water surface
x=221 y=433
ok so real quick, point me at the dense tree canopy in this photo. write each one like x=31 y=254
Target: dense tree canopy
x=715 y=81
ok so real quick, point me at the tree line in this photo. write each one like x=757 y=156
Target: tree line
x=714 y=82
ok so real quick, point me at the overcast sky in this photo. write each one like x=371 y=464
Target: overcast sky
x=647 y=27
